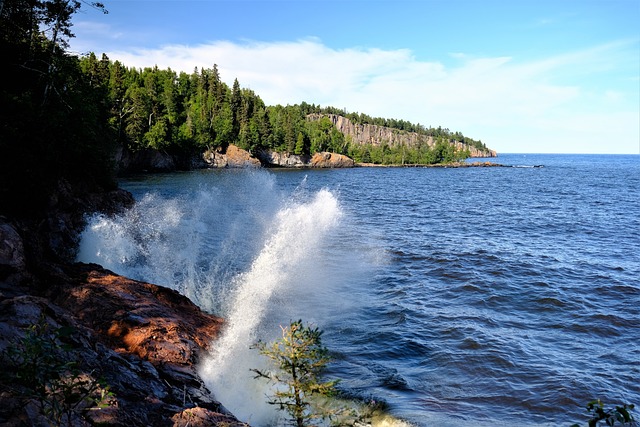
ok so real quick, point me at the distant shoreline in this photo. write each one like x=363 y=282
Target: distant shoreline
x=436 y=165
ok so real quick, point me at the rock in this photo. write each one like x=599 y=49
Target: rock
x=232 y=157
x=285 y=160
x=147 y=159
x=331 y=160
x=68 y=207
x=147 y=320
x=143 y=340
x=202 y=417
x=13 y=264
x=319 y=160
x=474 y=152
x=12 y=258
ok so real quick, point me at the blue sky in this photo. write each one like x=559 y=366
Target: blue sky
x=523 y=76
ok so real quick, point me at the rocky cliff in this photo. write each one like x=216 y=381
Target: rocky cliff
x=377 y=135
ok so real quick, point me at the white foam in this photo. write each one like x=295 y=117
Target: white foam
x=292 y=242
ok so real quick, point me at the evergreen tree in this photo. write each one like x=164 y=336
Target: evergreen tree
x=236 y=105
x=49 y=109
x=299 y=358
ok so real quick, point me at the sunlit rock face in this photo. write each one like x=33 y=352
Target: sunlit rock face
x=232 y=157
x=331 y=160
x=286 y=160
x=378 y=135
x=143 y=340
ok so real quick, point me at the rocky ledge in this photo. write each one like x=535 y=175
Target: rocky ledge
x=228 y=157
x=140 y=341
x=80 y=345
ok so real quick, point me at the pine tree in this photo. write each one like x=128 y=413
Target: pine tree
x=299 y=357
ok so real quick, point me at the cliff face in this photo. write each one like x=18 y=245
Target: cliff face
x=378 y=135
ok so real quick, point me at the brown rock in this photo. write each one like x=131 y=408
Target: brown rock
x=331 y=160
x=143 y=340
x=232 y=157
x=153 y=322
x=202 y=417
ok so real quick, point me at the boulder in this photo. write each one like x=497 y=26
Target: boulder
x=12 y=258
x=147 y=159
x=331 y=160
x=232 y=157
x=271 y=158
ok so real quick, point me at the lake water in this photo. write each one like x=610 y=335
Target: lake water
x=460 y=297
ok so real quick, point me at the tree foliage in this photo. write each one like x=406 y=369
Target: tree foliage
x=609 y=415
x=62 y=116
x=52 y=113
x=298 y=358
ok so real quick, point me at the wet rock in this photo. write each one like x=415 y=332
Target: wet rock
x=144 y=341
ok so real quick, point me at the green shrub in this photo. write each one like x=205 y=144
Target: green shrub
x=600 y=413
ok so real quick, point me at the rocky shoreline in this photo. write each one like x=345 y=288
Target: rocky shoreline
x=137 y=343
x=235 y=157
x=438 y=165
x=141 y=341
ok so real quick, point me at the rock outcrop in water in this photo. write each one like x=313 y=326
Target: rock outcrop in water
x=331 y=160
x=318 y=160
x=235 y=157
x=142 y=340
x=232 y=157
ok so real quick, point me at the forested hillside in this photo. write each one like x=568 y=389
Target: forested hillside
x=62 y=116
x=162 y=109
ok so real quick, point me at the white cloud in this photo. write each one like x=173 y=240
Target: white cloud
x=560 y=103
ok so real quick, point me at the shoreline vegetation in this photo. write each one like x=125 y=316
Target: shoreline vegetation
x=68 y=118
x=477 y=164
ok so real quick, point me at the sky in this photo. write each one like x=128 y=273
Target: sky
x=522 y=76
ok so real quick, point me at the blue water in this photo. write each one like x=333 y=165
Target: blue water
x=504 y=296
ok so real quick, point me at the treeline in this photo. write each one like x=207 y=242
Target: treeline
x=422 y=154
x=162 y=109
x=53 y=120
x=62 y=116
x=192 y=112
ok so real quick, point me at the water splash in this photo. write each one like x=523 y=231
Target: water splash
x=241 y=248
x=287 y=257
x=194 y=240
